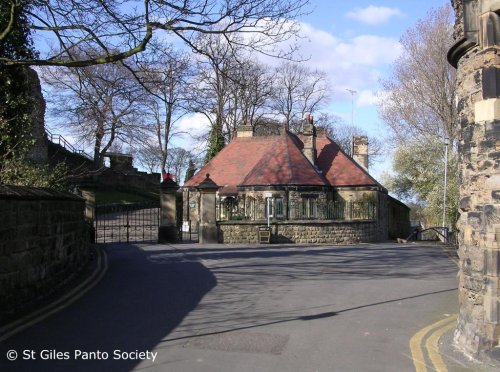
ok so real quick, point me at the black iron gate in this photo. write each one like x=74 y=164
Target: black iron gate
x=127 y=223
x=189 y=232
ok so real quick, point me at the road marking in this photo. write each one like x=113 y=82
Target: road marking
x=61 y=303
x=433 y=348
x=416 y=342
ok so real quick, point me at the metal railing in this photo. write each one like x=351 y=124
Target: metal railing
x=435 y=233
x=63 y=142
x=332 y=210
x=302 y=209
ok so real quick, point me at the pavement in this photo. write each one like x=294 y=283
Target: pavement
x=368 y=307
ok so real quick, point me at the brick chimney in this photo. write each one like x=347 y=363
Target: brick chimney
x=245 y=130
x=360 y=150
x=309 y=136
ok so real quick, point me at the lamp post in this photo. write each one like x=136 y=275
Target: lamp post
x=446 y=143
x=353 y=93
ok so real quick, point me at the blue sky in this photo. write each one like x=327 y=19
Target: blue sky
x=355 y=42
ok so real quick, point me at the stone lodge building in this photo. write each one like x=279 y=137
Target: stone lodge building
x=304 y=186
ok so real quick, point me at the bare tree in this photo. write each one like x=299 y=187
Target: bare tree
x=418 y=99
x=119 y=29
x=231 y=89
x=250 y=89
x=211 y=88
x=165 y=75
x=149 y=156
x=266 y=126
x=178 y=162
x=298 y=90
x=343 y=134
x=99 y=103
x=419 y=106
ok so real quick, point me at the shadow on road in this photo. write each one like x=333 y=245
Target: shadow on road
x=137 y=304
x=339 y=263
x=328 y=314
x=388 y=275
x=151 y=298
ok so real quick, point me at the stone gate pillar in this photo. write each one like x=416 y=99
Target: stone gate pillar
x=208 y=218
x=168 y=231
x=88 y=187
x=476 y=56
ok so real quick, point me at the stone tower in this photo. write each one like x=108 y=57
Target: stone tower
x=476 y=57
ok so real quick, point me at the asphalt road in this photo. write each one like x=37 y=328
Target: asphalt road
x=246 y=308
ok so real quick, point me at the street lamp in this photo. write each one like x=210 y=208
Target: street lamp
x=353 y=93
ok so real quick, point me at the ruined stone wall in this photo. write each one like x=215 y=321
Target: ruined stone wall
x=478 y=109
x=77 y=164
x=313 y=232
x=43 y=242
x=38 y=153
x=138 y=180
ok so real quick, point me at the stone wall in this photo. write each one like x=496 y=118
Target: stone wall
x=478 y=106
x=331 y=232
x=43 y=242
x=38 y=153
x=398 y=219
x=138 y=180
x=77 y=164
x=382 y=217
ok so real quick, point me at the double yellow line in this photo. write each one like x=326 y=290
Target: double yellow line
x=57 y=305
x=431 y=334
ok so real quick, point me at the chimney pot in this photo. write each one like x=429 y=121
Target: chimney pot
x=309 y=136
x=245 y=130
x=360 y=150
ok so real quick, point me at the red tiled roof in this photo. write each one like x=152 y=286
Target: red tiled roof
x=233 y=163
x=278 y=160
x=284 y=164
x=338 y=168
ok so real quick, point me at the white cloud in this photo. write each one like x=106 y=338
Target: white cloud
x=355 y=63
x=367 y=98
x=370 y=98
x=373 y=15
x=188 y=131
x=368 y=50
x=351 y=62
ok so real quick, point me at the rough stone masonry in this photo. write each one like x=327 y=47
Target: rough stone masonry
x=476 y=57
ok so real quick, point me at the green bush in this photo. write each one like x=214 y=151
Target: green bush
x=23 y=173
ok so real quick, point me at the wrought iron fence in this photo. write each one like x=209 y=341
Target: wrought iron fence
x=313 y=209
x=302 y=209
